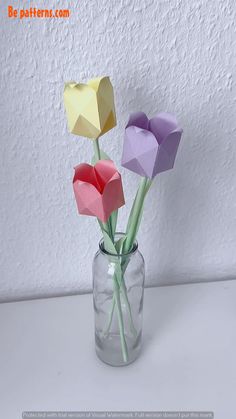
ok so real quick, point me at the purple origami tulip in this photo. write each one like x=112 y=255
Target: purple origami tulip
x=150 y=146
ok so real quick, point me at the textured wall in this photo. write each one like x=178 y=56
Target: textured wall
x=161 y=55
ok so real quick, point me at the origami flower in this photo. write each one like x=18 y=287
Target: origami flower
x=150 y=146
x=90 y=107
x=98 y=189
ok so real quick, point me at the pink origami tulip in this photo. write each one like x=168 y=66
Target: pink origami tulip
x=98 y=189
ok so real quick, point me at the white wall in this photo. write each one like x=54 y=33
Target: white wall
x=171 y=55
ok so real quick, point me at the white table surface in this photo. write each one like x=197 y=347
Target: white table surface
x=47 y=359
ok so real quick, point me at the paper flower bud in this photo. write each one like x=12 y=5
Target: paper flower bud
x=90 y=107
x=98 y=189
x=150 y=146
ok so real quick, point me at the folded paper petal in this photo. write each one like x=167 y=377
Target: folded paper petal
x=148 y=152
x=139 y=151
x=138 y=119
x=98 y=189
x=90 y=107
x=167 y=153
x=162 y=125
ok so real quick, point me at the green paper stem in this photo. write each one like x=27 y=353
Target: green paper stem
x=120 y=319
x=110 y=248
x=113 y=222
x=110 y=316
x=121 y=283
x=110 y=229
x=97 y=151
x=136 y=212
x=131 y=231
x=118 y=277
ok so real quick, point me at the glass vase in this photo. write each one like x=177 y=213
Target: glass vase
x=118 y=285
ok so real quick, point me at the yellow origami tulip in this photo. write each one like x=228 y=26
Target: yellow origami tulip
x=90 y=107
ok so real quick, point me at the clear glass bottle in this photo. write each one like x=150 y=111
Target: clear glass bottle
x=118 y=284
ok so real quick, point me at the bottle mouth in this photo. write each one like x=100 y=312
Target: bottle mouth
x=121 y=254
